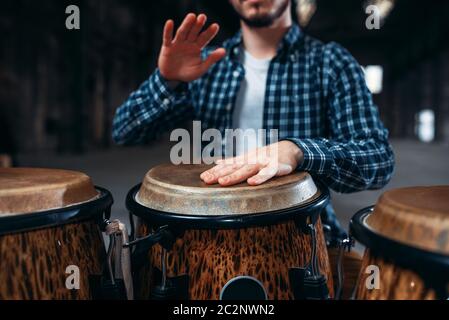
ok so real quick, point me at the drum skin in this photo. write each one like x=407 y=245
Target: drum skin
x=30 y=190
x=33 y=263
x=396 y=283
x=178 y=189
x=213 y=257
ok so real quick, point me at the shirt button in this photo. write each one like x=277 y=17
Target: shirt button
x=236 y=50
x=166 y=101
x=292 y=58
x=229 y=107
x=236 y=74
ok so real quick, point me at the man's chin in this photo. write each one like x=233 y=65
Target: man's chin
x=258 y=22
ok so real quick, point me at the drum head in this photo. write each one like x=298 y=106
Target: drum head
x=24 y=190
x=179 y=190
x=416 y=216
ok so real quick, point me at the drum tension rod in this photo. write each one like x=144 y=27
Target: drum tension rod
x=113 y=283
x=304 y=224
x=314 y=283
x=162 y=236
x=314 y=269
x=307 y=282
x=345 y=244
x=150 y=239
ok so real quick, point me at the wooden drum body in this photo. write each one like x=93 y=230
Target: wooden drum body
x=407 y=239
x=228 y=242
x=49 y=225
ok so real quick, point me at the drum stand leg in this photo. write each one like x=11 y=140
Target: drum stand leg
x=345 y=244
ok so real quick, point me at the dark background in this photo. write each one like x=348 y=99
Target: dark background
x=59 y=89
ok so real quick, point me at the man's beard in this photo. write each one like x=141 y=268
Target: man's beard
x=266 y=20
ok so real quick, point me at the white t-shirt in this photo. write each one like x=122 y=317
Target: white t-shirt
x=248 y=111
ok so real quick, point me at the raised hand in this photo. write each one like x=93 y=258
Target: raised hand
x=180 y=58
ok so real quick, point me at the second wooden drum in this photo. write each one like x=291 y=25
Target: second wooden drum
x=241 y=242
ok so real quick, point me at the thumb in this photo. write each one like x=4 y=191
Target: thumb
x=213 y=58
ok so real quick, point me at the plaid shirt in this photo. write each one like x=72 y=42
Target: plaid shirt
x=316 y=96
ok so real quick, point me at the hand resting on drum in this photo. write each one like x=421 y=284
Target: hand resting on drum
x=180 y=57
x=257 y=166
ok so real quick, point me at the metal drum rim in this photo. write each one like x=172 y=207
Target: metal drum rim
x=223 y=222
x=11 y=224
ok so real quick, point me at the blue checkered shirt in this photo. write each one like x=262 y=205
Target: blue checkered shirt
x=316 y=97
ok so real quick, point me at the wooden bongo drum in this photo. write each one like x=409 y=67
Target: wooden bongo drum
x=50 y=223
x=204 y=242
x=407 y=239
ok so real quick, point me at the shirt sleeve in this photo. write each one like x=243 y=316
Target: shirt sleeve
x=151 y=110
x=357 y=155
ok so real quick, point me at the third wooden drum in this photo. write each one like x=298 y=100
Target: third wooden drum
x=407 y=239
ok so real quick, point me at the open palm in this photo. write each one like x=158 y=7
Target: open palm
x=180 y=58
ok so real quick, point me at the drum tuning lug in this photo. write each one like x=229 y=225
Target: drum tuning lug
x=348 y=243
x=103 y=224
x=306 y=286
x=315 y=288
x=327 y=228
x=162 y=236
x=153 y=237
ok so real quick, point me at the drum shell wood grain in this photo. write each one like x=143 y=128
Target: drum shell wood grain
x=395 y=283
x=33 y=263
x=213 y=257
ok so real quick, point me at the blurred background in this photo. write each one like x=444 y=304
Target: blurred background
x=59 y=88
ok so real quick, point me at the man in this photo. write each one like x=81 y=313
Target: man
x=272 y=76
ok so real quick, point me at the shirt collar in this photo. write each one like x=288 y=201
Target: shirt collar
x=290 y=39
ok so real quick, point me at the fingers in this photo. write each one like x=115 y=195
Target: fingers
x=255 y=174
x=284 y=169
x=240 y=175
x=190 y=30
x=272 y=170
x=211 y=176
x=263 y=176
x=168 y=33
x=185 y=27
x=200 y=22
x=213 y=58
x=205 y=37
